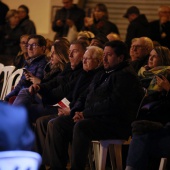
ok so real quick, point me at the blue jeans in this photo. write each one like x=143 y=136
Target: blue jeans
x=34 y=105
x=143 y=147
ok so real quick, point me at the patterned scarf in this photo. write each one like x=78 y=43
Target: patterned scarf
x=151 y=74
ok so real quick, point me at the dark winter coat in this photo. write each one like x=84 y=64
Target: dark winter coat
x=139 y=27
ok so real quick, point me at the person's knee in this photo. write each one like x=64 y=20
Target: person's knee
x=57 y=122
x=82 y=127
x=24 y=91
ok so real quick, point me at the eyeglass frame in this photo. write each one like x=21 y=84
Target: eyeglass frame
x=137 y=46
x=33 y=46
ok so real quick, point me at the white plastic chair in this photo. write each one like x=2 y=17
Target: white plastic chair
x=21 y=160
x=115 y=149
x=1 y=67
x=162 y=165
x=7 y=72
x=12 y=82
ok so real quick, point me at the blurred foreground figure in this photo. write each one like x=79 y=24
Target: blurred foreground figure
x=15 y=133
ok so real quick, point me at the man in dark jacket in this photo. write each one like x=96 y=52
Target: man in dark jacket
x=66 y=17
x=109 y=109
x=138 y=25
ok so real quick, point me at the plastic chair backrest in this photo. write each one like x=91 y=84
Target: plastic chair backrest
x=21 y=160
x=7 y=72
x=12 y=82
x=1 y=67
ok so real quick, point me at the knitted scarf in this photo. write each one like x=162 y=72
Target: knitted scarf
x=151 y=74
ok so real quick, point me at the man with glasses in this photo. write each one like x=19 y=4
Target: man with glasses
x=34 y=65
x=139 y=51
x=160 y=29
x=66 y=17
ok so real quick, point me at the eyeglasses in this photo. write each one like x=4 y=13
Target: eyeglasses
x=34 y=45
x=137 y=46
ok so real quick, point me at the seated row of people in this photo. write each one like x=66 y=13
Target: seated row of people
x=96 y=94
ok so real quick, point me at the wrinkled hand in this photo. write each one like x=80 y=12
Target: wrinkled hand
x=63 y=111
x=33 y=89
x=163 y=83
x=78 y=116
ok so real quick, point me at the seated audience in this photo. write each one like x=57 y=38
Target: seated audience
x=34 y=65
x=19 y=60
x=92 y=61
x=98 y=23
x=139 y=52
x=56 y=88
x=155 y=77
x=106 y=113
x=25 y=23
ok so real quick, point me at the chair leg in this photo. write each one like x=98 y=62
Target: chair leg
x=163 y=164
x=96 y=147
x=91 y=157
x=103 y=156
x=118 y=156
x=112 y=156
